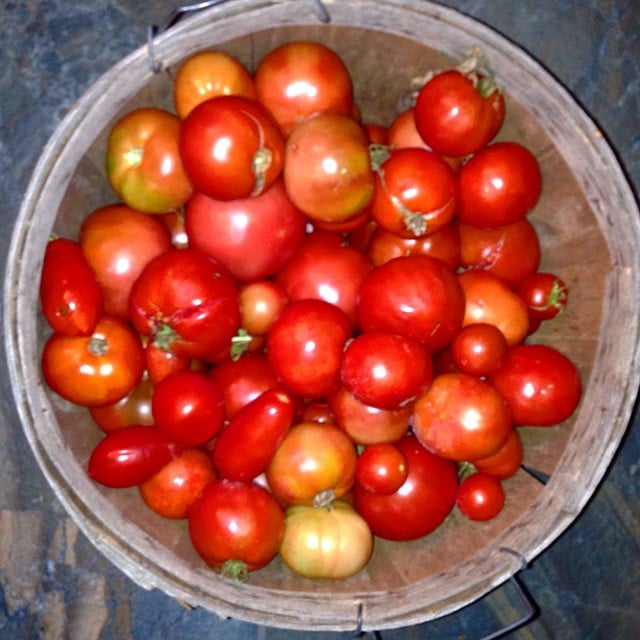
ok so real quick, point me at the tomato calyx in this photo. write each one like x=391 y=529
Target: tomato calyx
x=164 y=336
x=324 y=499
x=240 y=344
x=465 y=469
x=133 y=157
x=98 y=345
x=235 y=570
x=556 y=299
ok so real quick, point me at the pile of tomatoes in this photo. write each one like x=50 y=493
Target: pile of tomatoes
x=298 y=330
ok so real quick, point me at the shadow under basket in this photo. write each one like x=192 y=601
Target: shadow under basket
x=588 y=223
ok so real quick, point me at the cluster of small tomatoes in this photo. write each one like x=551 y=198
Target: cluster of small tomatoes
x=298 y=330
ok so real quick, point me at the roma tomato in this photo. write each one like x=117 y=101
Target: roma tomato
x=381 y=468
x=134 y=408
x=231 y=148
x=312 y=458
x=129 y=456
x=480 y=497
x=461 y=417
x=420 y=505
x=326 y=542
x=458 y=114
x=545 y=295
x=118 y=242
x=187 y=302
x=540 y=384
x=479 y=349
x=143 y=161
x=70 y=295
x=171 y=491
x=236 y=526
x=267 y=227
x=94 y=370
x=246 y=445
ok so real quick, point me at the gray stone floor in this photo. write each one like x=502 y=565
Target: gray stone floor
x=53 y=584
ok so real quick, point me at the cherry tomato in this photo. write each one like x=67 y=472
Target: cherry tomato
x=93 y=370
x=207 y=74
x=231 y=148
x=134 y=408
x=506 y=461
x=479 y=349
x=545 y=295
x=540 y=384
x=381 y=468
x=70 y=295
x=171 y=491
x=118 y=242
x=420 y=505
x=260 y=304
x=129 y=456
x=143 y=163
x=160 y=362
x=236 y=526
x=461 y=417
x=480 y=497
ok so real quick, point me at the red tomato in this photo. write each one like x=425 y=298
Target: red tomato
x=70 y=295
x=267 y=227
x=541 y=385
x=207 y=74
x=316 y=411
x=134 y=408
x=461 y=417
x=171 y=491
x=420 y=505
x=458 y=114
x=301 y=78
x=376 y=133
x=129 y=456
x=260 y=304
x=246 y=445
x=312 y=458
x=236 y=526
x=327 y=171
x=480 y=497
x=416 y=193
x=381 y=468
x=93 y=370
x=403 y=132
x=188 y=407
x=187 y=302
x=305 y=345
x=160 y=363
x=143 y=162
x=479 y=349
x=545 y=295
x=365 y=424
x=499 y=185
x=416 y=296
x=385 y=370
x=118 y=242
x=506 y=461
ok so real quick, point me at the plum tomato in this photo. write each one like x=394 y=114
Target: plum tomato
x=143 y=161
x=479 y=349
x=461 y=417
x=480 y=497
x=506 y=461
x=545 y=295
x=134 y=408
x=420 y=505
x=97 y=369
x=236 y=526
x=70 y=294
x=541 y=385
x=381 y=468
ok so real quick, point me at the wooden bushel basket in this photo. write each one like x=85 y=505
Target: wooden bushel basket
x=589 y=227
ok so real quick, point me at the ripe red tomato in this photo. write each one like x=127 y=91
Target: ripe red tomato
x=540 y=384
x=171 y=491
x=129 y=456
x=305 y=344
x=381 y=468
x=499 y=185
x=416 y=193
x=479 y=349
x=506 y=461
x=236 y=526
x=461 y=417
x=93 y=370
x=545 y=295
x=143 y=162
x=134 y=408
x=267 y=227
x=480 y=497
x=70 y=295
x=420 y=505
x=416 y=296
x=159 y=363
x=403 y=132
x=118 y=242
x=301 y=78
x=458 y=114
x=187 y=302
x=207 y=74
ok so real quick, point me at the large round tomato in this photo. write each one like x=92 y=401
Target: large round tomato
x=143 y=161
x=421 y=503
x=253 y=237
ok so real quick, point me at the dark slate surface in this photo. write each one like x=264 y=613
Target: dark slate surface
x=53 y=584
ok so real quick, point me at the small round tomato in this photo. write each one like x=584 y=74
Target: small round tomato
x=480 y=497
x=143 y=162
x=545 y=295
x=236 y=526
x=93 y=370
x=479 y=349
x=207 y=74
x=160 y=362
x=171 y=491
x=260 y=304
x=506 y=461
x=70 y=295
x=134 y=408
x=381 y=468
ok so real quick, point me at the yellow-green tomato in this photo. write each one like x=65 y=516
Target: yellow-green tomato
x=326 y=542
